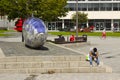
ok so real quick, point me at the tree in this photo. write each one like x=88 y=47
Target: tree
x=48 y=10
x=82 y=18
x=13 y=8
x=51 y=9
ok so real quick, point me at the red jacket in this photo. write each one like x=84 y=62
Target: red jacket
x=72 y=38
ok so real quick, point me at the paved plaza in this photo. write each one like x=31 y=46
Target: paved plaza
x=108 y=48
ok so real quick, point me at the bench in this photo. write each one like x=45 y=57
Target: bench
x=83 y=38
x=60 y=40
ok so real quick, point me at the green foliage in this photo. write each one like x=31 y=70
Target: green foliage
x=82 y=17
x=48 y=10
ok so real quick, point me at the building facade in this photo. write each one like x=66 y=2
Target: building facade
x=102 y=14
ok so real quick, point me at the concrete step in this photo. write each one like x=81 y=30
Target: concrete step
x=42 y=58
x=58 y=70
x=46 y=64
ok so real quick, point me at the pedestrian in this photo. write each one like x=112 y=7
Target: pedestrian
x=72 y=38
x=104 y=34
x=19 y=24
x=94 y=55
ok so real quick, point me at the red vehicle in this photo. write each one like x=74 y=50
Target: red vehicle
x=18 y=25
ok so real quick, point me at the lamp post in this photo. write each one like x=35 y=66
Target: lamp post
x=76 y=18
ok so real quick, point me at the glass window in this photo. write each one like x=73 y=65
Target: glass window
x=102 y=6
x=96 y=6
x=108 y=24
x=79 y=7
x=115 y=6
x=91 y=23
x=119 y=6
x=71 y=6
x=84 y=6
x=90 y=7
x=93 y=7
x=108 y=7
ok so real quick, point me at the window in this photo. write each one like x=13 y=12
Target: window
x=90 y=7
x=96 y=6
x=115 y=6
x=102 y=7
x=119 y=7
x=84 y=7
x=108 y=7
x=79 y=7
x=71 y=6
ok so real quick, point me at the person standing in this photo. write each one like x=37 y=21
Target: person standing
x=104 y=34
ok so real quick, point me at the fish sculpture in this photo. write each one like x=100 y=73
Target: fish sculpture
x=34 y=32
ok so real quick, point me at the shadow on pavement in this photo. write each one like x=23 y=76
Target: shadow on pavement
x=38 y=48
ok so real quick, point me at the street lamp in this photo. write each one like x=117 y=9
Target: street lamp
x=76 y=18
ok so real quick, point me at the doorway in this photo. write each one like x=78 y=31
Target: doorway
x=99 y=26
x=52 y=26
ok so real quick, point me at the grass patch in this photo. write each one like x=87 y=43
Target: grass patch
x=3 y=32
x=113 y=34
